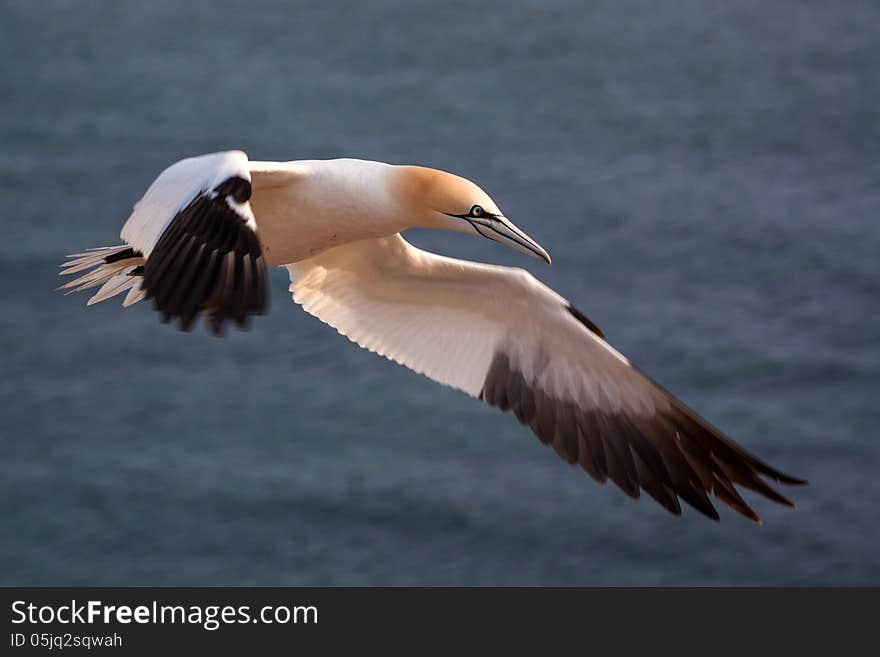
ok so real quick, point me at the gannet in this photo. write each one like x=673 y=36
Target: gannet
x=201 y=238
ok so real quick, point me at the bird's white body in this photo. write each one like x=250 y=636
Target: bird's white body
x=309 y=206
x=199 y=241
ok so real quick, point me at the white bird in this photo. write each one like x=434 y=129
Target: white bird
x=200 y=239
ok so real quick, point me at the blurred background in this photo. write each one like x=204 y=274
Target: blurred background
x=706 y=176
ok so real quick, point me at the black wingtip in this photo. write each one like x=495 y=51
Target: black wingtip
x=776 y=475
x=788 y=480
x=209 y=261
x=706 y=508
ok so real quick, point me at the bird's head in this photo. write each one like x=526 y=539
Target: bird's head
x=437 y=199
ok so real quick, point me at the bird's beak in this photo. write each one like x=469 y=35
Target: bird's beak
x=503 y=231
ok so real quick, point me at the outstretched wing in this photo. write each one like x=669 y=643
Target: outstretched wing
x=190 y=245
x=198 y=235
x=499 y=334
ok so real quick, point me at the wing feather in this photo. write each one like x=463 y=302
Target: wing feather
x=498 y=334
x=196 y=230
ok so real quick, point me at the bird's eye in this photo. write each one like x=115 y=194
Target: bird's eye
x=476 y=211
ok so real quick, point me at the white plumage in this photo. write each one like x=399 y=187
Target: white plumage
x=446 y=319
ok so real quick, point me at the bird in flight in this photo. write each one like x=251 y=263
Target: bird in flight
x=201 y=238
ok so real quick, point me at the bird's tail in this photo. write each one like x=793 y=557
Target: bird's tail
x=115 y=268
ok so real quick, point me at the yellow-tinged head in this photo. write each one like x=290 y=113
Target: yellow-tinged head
x=437 y=199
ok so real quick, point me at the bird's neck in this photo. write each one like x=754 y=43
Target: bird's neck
x=331 y=202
